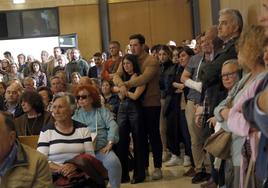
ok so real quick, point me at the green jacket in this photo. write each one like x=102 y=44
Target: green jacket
x=29 y=170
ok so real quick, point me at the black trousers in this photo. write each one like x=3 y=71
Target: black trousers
x=151 y=117
x=129 y=121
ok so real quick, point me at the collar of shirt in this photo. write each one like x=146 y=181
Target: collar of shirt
x=8 y=160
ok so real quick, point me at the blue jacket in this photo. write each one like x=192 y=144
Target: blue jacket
x=106 y=125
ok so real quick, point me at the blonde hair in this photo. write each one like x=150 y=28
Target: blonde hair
x=251 y=43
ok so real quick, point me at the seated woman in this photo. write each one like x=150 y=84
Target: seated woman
x=101 y=122
x=47 y=95
x=34 y=117
x=65 y=138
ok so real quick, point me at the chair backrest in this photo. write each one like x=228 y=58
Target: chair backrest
x=30 y=141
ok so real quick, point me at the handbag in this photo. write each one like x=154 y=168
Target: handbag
x=219 y=144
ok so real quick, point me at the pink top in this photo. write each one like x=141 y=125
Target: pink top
x=239 y=126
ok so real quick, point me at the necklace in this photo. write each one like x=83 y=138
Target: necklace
x=30 y=126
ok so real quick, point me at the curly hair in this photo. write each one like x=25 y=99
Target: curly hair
x=93 y=93
x=251 y=45
x=34 y=99
x=35 y=62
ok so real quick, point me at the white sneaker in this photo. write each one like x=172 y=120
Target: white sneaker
x=174 y=161
x=165 y=156
x=187 y=161
x=157 y=174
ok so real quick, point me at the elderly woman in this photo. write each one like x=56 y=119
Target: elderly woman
x=245 y=139
x=101 y=122
x=34 y=117
x=65 y=138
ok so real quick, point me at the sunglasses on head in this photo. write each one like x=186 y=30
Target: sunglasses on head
x=81 y=97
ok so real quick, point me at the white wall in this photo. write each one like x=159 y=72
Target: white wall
x=31 y=46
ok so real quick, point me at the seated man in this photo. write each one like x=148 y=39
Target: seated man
x=20 y=166
x=12 y=96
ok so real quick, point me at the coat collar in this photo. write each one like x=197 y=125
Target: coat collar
x=21 y=157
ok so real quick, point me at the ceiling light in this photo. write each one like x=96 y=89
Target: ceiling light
x=18 y=1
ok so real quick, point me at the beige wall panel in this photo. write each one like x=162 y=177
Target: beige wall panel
x=205 y=14
x=159 y=21
x=83 y=20
x=170 y=20
x=249 y=9
x=129 y=18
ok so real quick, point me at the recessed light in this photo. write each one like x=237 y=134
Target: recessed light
x=18 y=1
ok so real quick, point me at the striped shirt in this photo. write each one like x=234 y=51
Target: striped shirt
x=60 y=147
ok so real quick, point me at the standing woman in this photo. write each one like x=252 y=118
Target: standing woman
x=129 y=121
x=100 y=122
x=165 y=82
x=37 y=74
x=177 y=128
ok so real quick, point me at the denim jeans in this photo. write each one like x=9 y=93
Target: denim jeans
x=111 y=162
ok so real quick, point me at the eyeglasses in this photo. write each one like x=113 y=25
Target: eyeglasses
x=228 y=75
x=81 y=97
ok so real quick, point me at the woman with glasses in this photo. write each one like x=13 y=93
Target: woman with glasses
x=103 y=127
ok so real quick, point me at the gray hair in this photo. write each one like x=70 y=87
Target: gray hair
x=68 y=97
x=236 y=15
x=231 y=61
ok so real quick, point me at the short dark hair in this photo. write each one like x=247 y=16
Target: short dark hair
x=34 y=99
x=7 y=53
x=140 y=37
x=155 y=47
x=97 y=54
x=48 y=90
x=188 y=50
x=8 y=119
x=22 y=56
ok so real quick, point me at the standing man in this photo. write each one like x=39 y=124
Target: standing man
x=229 y=28
x=76 y=65
x=151 y=104
x=53 y=62
x=95 y=71
x=21 y=62
x=111 y=65
x=44 y=60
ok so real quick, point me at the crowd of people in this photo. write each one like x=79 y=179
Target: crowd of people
x=203 y=108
